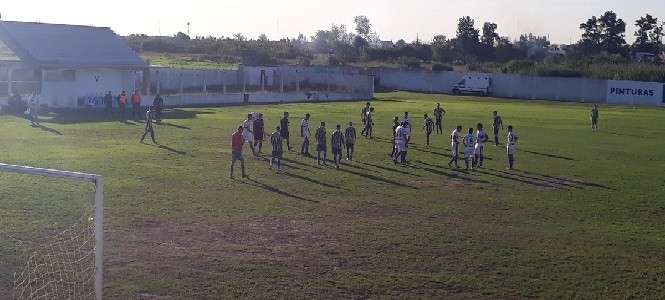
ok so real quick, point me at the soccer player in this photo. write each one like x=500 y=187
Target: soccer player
x=438 y=115
x=237 y=141
x=497 y=124
x=454 y=144
x=320 y=136
x=512 y=139
x=407 y=119
x=305 y=134
x=395 y=125
x=284 y=125
x=276 y=141
x=429 y=127
x=258 y=130
x=337 y=143
x=350 y=137
x=148 y=125
x=363 y=117
x=369 y=123
x=247 y=134
x=469 y=141
x=594 y=118
x=401 y=140
x=482 y=138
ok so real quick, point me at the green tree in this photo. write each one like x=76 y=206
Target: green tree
x=400 y=43
x=605 y=33
x=489 y=37
x=263 y=38
x=439 y=40
x=239 y=37
x=647 y=35
x=363 y=26
x=467 y=37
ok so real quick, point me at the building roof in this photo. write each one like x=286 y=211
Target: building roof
x=56 y=45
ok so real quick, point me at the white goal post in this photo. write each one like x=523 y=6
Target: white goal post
x=98 y=181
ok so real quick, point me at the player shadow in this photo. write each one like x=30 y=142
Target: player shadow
x=574 y=183
x=314 y=181
x=526 y=180
x=626 y=134
x=127 y=122
x=47 y=129
x=546 y=154
x=376 y=178
x=96 y=115
x=275 y=190
x=284 y=163
x=453 y=174
x=169 y=149
x=391 y=169
x=172 y=125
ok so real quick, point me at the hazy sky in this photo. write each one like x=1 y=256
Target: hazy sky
x=391 y=19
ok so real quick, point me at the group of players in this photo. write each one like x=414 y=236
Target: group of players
x=252 y=132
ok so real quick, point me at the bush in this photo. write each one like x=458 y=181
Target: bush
x=557 y=71
x=409 y=62
x=441 y=67
x=474 y=67
x=518 y=65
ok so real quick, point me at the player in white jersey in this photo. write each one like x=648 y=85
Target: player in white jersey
x=247 y=134
x=482 y=138
x=401 y=139
x=454 y=145
x=305 y=134
x=407 y=119
x=512 y=139
x=470 y=151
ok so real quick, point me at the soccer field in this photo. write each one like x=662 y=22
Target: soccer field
x=581 y=216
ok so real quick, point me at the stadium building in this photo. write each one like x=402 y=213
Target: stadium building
x=67 y=65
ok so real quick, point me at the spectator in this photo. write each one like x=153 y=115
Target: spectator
x=136 y=104
x=108 y=102
x=122 y=103
x=158 y=104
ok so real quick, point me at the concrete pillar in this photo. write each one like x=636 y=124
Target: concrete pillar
x=224 y=87
x=9 y=82
x=243 y=84
x=281 y=84
x=328 y=83
x=158 y=82
x=146 y=82
x=41 y=85
x=181 y=83
x=297 y=85
x=205 y=84
x=558 y=89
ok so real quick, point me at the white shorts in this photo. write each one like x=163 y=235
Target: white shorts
x=511 y=148
x=248 y=136
x=455 y=148
x=480 y=149
x=469 y=152
x=400 y=145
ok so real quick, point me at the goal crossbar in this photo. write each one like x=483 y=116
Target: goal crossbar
x=98 y=181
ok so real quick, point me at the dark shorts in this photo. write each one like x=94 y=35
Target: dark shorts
x=336 y=151
x=284 y=134
x=277 y=153
x=594 y=121
x=320 y=147
x=350 y=145
x=237 y=156
x=258 y=135
x=438 y=121
x=496 y=130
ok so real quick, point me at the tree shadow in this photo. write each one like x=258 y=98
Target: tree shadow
x=314 y=181
x=275 y=190
x=546 y=154
x=47 y=129
x=376 y=178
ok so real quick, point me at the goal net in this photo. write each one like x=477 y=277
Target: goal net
x=50 y=234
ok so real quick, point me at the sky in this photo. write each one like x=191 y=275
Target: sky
x=391 y=19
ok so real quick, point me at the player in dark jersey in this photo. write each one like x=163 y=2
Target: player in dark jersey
x=259 y=133
x=369 y=123
x=321 y=144
x=337 y=143
x=363 y=117
x=350 y=137
x=497 y=124
x=438 y=116
x=276 y=142
x=284 y=128
x=429 y=127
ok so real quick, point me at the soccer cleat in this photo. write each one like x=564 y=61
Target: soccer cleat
x=244 y=176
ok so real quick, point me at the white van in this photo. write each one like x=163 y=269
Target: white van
x=474 y=85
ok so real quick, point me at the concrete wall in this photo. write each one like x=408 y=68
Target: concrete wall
x=635 y=93
x=520 y=87
x=220 y=99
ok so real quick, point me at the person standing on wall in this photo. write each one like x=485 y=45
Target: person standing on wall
x=158 y=104
x=108 y=103
x=136 y=104
x=122 y=103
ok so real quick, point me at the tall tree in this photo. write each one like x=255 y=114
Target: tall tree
x=363 y=26
x=263 y=38
x=489 y=37
x=605 y=33
x=439 y=40
x=591 y=37
x=467 y=37
x=647 y=35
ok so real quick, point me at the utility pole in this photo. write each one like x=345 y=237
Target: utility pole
x=188 y=30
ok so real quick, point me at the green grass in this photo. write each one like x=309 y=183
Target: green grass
x=186 y=62
x=581 y=217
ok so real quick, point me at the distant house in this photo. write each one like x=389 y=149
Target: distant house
x=68 y=65
x=386 y=44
